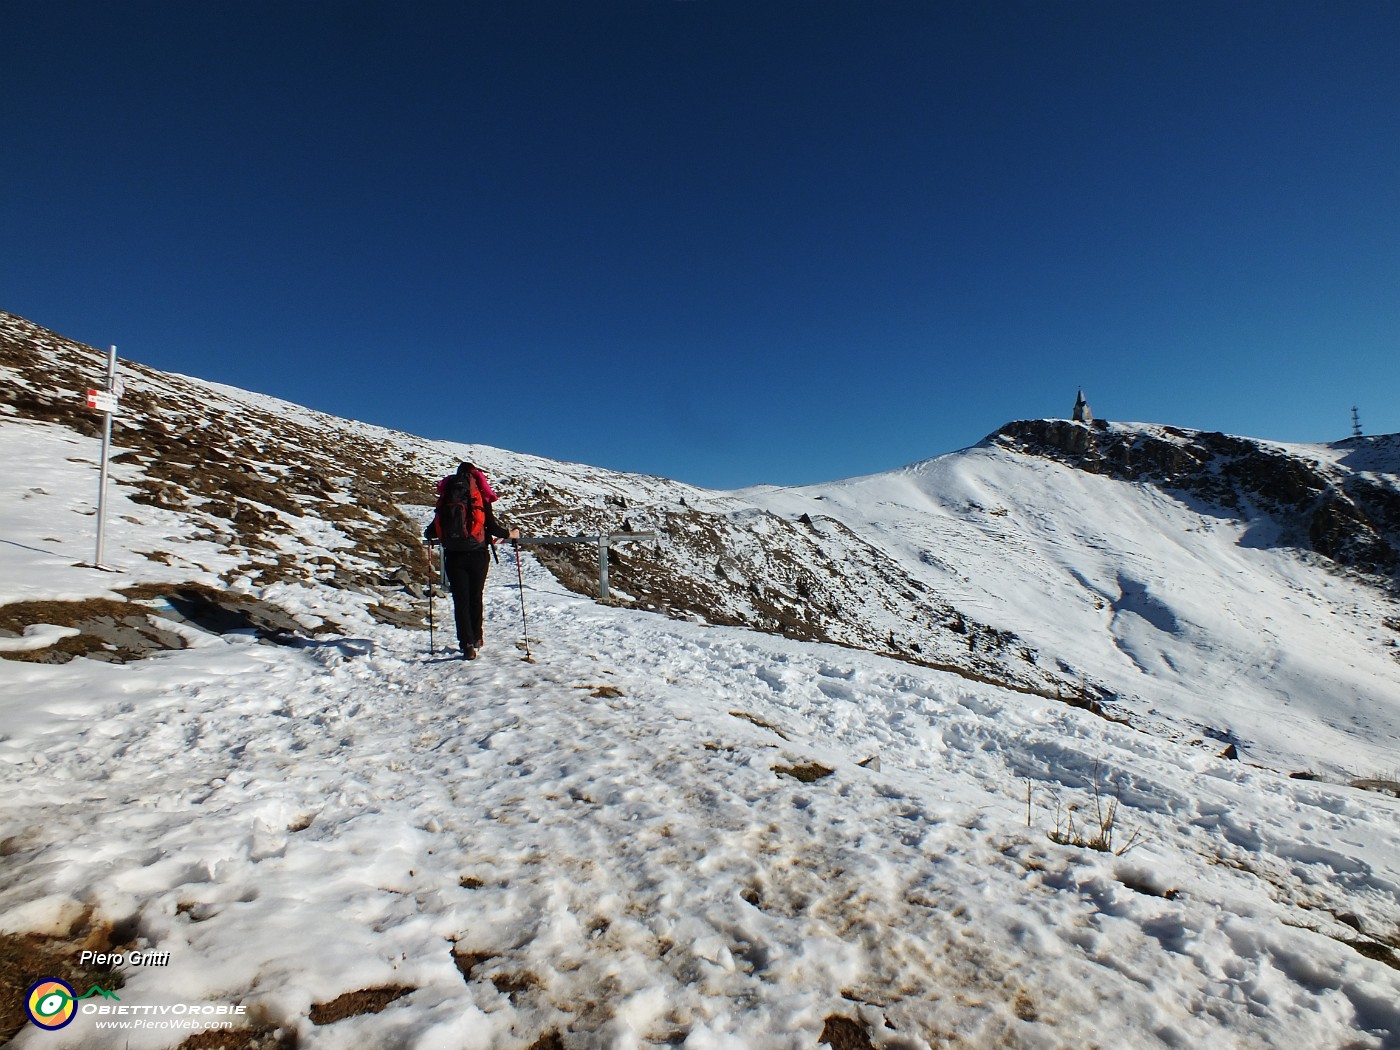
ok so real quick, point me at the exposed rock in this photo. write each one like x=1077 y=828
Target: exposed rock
x=1351 y=517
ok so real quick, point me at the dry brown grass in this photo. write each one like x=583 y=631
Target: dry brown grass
x=29 y=957
x=755 y=720
x=467 y=962
x=358 y=1003
x=807 y=772
x=841 y=1033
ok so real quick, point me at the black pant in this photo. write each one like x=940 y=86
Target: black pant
x=466 y=576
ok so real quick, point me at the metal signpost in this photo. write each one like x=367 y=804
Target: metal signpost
x=105 y=401
x=603 y=543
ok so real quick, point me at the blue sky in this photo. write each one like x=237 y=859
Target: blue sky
x=725 y=242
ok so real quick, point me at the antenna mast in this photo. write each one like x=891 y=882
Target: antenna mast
x=1355 y=422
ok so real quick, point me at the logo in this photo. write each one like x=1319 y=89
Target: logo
x=52 y=1003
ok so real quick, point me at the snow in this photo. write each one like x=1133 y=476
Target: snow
x=296 y=824
x=605 y=837
x=49 y=493
x=37 y=636
x=1176 y=607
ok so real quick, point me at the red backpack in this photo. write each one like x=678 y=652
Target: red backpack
x=461 y=514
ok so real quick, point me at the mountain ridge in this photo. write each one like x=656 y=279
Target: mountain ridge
x=1345 y=515
x=1048 y=558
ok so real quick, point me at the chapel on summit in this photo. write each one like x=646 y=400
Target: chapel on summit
x=1082 y=412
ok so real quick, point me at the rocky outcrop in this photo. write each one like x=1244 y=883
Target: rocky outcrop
x=1349 y=515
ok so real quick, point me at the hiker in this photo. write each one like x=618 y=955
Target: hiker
x=464 y=523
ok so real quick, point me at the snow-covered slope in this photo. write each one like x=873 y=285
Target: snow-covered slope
x=603 y=846
x=1218 y=589
x=668 y=832
x=1192 y=608
x=254 y=475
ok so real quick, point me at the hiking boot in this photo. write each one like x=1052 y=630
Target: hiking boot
x=480 y=642
x=469 y=653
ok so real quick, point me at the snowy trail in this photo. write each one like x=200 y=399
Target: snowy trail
x=602 y=837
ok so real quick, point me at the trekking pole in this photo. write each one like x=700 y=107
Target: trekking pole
x=432 y=601
x=524 y=630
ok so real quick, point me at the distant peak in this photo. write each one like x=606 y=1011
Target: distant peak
x=1333 y=504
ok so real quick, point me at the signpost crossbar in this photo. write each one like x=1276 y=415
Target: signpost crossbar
x=603 y=541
